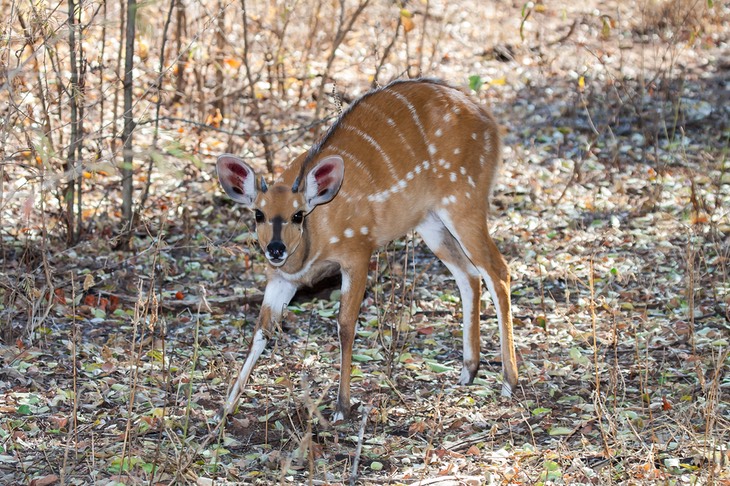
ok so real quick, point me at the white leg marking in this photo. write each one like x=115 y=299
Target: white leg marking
x=258 y=346
x=506 y=390
x=279 y=291
x=467 y=297
x=431 y=230
x=443 y=215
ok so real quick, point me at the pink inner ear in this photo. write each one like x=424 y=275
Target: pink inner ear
x=323 y=172
x=238 y=170
x=324 y=186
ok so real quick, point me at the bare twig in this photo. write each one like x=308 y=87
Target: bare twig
x=128 y=155
x=358 y=450
x=265 y=141
x=342 y=30
x=158 y=104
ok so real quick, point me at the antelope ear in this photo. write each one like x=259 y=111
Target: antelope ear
x=237 y=179
x=323 y=181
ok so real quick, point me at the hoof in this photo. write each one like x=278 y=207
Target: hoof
x=506 y=390
x=338 y=417
x=467 y=377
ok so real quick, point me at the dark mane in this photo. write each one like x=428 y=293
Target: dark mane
x=319 y=145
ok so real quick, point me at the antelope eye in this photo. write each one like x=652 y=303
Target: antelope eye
x=259 y=216
x=298 y=217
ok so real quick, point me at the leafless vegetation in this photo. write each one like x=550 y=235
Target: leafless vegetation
x=126 y=308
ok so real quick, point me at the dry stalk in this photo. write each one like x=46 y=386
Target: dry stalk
x=358 y=449
x=343 y=28
x=73 y=428
x=598 y=399
x=264 y=138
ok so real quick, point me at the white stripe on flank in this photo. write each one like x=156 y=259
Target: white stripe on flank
x=487 y=141
x=411 y=109
x=358 y=163
x=379 y=114
x=374 y=144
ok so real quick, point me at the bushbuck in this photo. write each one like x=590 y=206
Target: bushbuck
x=413 y=155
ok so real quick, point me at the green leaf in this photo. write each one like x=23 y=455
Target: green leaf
x=560 y=431
x=576 y=356
x=376 y=466
x=475 y=82
x=24 y=410
x=438 y=367
x=265 y=418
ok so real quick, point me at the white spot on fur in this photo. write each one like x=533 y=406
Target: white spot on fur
x=468 y=195
x=445 y=201
x=471 y=181
x=349 y=233
x=426 y=164
x=452 y=177
x=417 y=169
x=432 y=149
x=447 y=117
x=447 y=165
x=402 y=184
x=473 y=136
x=457 y=151
x=439 y=132
x=263 y=203
x=462 y=170
x=334 y=240
x=409 y=176
x=452 y=198
x=295 y=204
x=364 y=230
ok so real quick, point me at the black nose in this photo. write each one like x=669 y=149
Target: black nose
x=276 y=249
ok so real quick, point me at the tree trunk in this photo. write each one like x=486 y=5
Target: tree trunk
x=128 y=162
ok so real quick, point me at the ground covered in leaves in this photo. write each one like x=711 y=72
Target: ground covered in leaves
x=612 y=210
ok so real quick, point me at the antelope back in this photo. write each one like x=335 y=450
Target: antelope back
x=395 y=154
